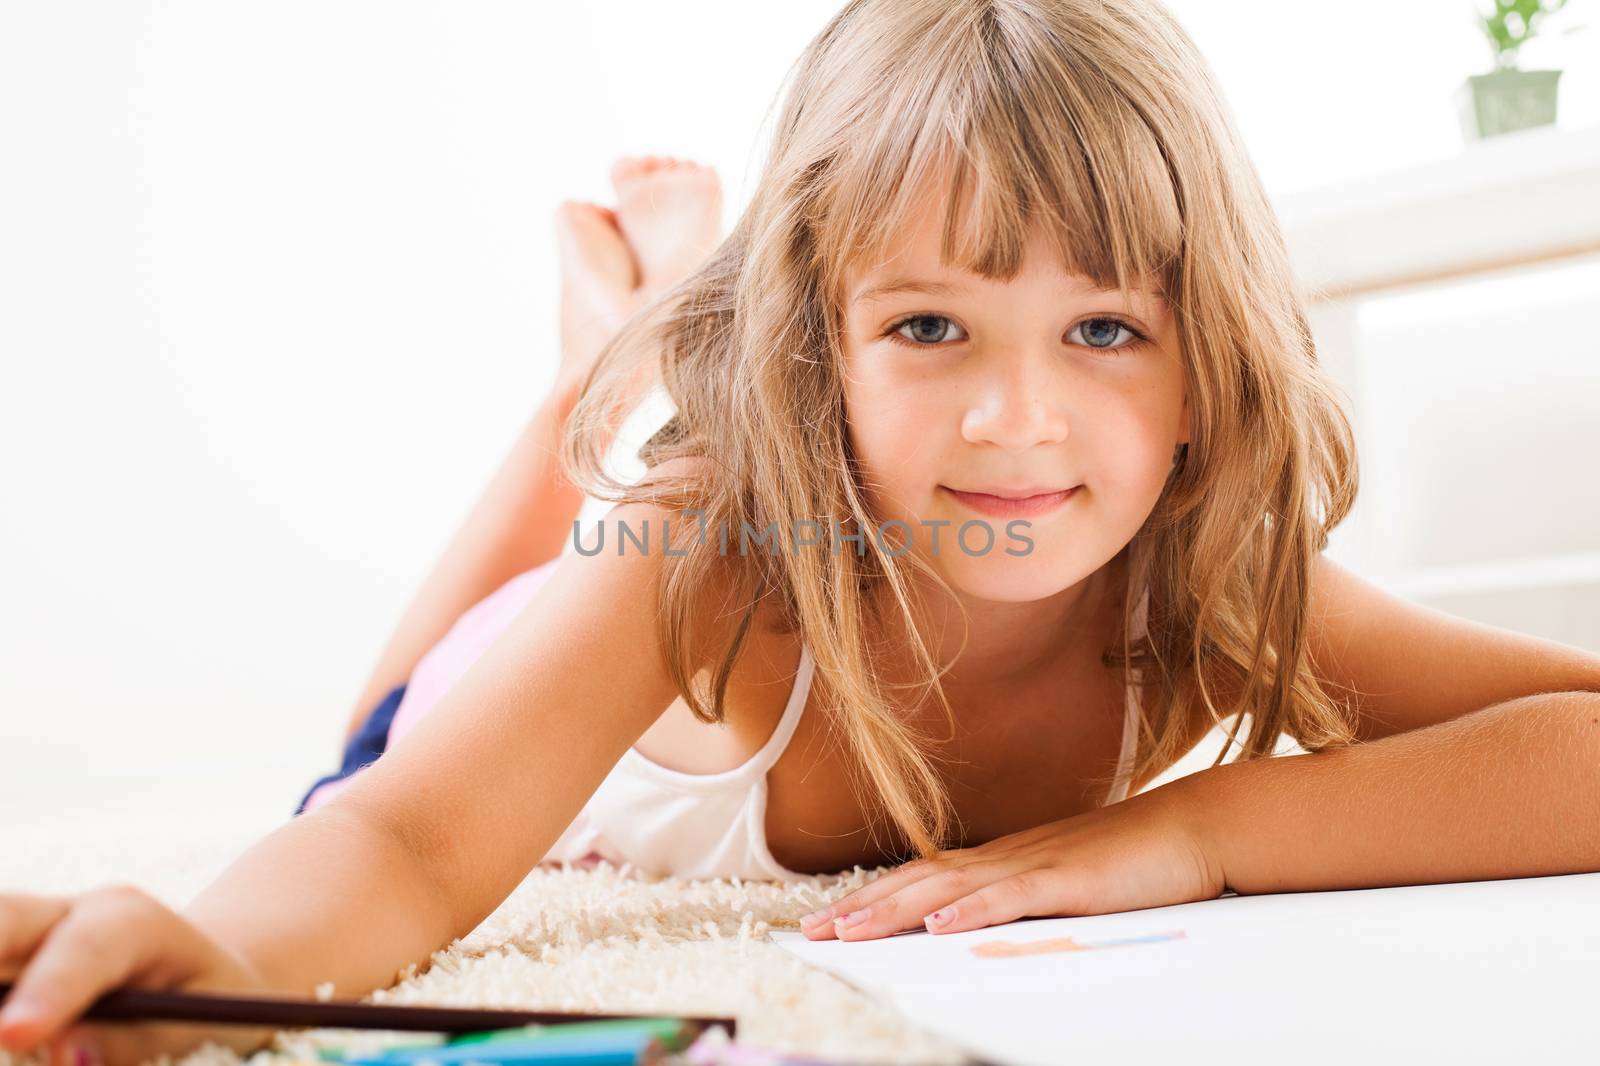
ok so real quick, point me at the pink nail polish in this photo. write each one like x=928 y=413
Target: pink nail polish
x=938 y=919
x=853 y=918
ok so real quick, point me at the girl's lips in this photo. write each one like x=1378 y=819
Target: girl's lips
x=1001 y=507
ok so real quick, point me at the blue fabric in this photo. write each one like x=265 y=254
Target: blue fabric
x=365 y=747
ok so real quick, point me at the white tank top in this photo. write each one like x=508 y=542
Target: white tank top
x=663 y=821
x=668 y=821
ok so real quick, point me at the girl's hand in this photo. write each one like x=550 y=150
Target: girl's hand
x=1142 y=852
x=69 y=951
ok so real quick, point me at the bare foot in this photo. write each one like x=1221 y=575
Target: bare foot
x=671 y=212
x=599 y=285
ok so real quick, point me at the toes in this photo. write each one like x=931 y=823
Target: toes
x=632 y=167
x=626 y=174
x=626 y=168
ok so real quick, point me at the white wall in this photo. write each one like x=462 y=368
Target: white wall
x=277 y=287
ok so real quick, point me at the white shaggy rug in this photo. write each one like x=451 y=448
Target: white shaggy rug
x=618 y=941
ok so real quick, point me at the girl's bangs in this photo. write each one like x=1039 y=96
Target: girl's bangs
x=1110 y=212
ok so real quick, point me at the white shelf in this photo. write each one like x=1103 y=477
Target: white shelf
x=1519 y=198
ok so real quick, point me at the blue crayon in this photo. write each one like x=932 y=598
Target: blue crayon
x=621 y=1048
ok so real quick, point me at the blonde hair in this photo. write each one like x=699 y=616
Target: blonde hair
x=1099 y=119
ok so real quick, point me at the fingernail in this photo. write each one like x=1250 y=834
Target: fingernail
x=814 y=917
x=853 y=918
x=15 y=1011
x=938 y=919
x=84 y=1054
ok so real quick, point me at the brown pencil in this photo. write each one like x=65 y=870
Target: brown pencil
x=132 y=1004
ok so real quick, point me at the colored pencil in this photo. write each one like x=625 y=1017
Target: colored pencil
x=617 y=1047
x=675 y=1033
x=132 y=1004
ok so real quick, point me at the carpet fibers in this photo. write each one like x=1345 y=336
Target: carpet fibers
x=618 y=941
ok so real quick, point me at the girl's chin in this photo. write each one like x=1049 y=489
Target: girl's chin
x=1007 y=580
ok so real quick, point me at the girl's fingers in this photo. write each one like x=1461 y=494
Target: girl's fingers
x=818 y=925
x=1030 y=893
x=83 y=954
x=912 y=903
x=71 y=951
x=24 y=920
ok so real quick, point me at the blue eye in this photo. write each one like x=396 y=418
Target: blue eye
x=1102 y=332
x=923 y=342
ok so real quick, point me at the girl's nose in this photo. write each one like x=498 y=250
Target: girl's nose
x=1017 y=406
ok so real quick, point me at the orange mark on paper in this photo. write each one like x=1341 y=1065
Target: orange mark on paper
x=1009 y=949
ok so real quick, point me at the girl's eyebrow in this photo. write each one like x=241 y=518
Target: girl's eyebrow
x=899 y=285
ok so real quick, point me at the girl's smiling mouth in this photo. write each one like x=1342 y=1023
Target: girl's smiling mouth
x=1004 y=503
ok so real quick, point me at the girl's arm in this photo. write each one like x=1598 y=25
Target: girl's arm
x=478 y=791
x=423 y=844
x=328 y=896
x=1507 y=791
x=522 y=520
x=1479 y=759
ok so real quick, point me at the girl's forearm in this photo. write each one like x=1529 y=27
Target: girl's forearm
x=1511 y=790
x=522 y=519
x=327 y=896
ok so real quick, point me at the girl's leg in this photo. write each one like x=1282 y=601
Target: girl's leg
x=667 y=220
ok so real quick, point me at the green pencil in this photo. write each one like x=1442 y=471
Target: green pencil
x=675 y=1033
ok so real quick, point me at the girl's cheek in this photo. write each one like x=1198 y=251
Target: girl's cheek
x=886 y=424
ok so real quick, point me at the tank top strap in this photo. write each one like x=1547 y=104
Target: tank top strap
x=1137 y=628
x=773 y=749
x=747 y=773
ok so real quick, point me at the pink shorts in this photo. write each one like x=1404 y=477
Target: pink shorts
x=435 y=673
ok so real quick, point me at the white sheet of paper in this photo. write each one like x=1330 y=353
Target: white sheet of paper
x=1486 y=971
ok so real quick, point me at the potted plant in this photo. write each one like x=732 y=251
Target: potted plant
x=1508 y=98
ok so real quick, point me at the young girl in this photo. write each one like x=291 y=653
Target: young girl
x=1000 y=473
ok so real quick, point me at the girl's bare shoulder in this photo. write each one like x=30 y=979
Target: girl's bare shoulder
x=760 y=678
